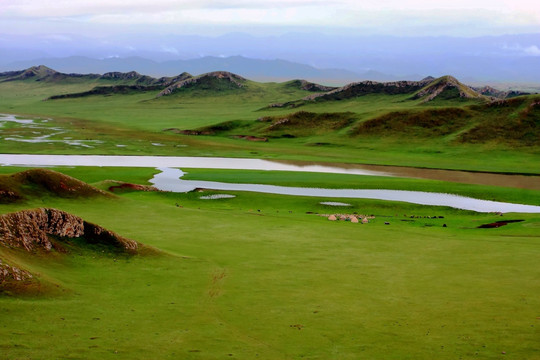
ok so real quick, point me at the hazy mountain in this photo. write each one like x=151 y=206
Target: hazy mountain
x=508 y=58
x=255 y=69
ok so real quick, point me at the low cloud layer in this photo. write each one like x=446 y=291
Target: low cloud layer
x=412 y=17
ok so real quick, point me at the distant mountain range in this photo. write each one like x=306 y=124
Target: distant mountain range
x=427 y=89
x=256 y=69
x=487 y=59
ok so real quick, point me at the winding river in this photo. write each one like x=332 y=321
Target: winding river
x=169 y=178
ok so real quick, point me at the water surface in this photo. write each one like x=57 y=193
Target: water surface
x=170 y=180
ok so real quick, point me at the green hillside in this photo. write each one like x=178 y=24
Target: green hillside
x=97 y=264
x=428 y=123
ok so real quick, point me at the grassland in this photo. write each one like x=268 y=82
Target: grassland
x=255 y=276
x=378 y=128
x=262 y=276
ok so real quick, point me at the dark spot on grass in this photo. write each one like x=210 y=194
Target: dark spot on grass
x=498 y=224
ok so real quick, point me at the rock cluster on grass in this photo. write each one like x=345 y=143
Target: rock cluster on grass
x=354 y=218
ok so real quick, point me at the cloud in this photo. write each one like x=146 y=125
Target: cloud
x=532 y=50
x=170 y=50
x=461 y=17
x=57 y=37
x=78 y=8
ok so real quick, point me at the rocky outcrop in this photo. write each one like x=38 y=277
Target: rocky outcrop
x=166 y=81
x=309 y=86
x=229 y=79
x=42 y=73
x=369 y=87
x=443 y=84
x=134 y=77
x=31 y=230
x=12 y=273
x=35 y=72
x=499 y=94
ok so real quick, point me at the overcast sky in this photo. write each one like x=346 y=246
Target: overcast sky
x=204 y=17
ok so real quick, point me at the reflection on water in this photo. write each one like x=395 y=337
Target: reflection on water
x=169 y=180
x=175 y=161
x=468 y=177
x=518 y=181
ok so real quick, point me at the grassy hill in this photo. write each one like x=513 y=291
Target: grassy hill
x=369 y=122
x=42 y=182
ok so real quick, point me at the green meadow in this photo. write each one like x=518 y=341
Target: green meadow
x=260 y=276
x=461 y=134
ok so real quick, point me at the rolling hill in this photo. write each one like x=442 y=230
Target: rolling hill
x=224 y=114
x=428 y=89
x=34 y=237
x=38 y=183
x=28 y=235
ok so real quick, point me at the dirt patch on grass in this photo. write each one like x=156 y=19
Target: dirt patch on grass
x=498 y=224
x=126 y=187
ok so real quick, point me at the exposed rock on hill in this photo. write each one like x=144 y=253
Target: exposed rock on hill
x=131 y=82
x=369 y=87
x=12 y=273
x=135 y=78
x=121 y=83
x=14 y=280
x=42 y=231
x=428 y=79
x=166 y=81
x=499 y=94
x=447 y=87
x=115 y=75
x=427 y=89
x=309 y=86
x=41 y=73
x=38 y=182
x=32 y=230
x=217 y=80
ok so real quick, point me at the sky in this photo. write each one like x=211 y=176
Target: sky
x=474 y=39
x=100 y=18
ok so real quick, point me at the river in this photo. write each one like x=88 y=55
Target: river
x=169 y=178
